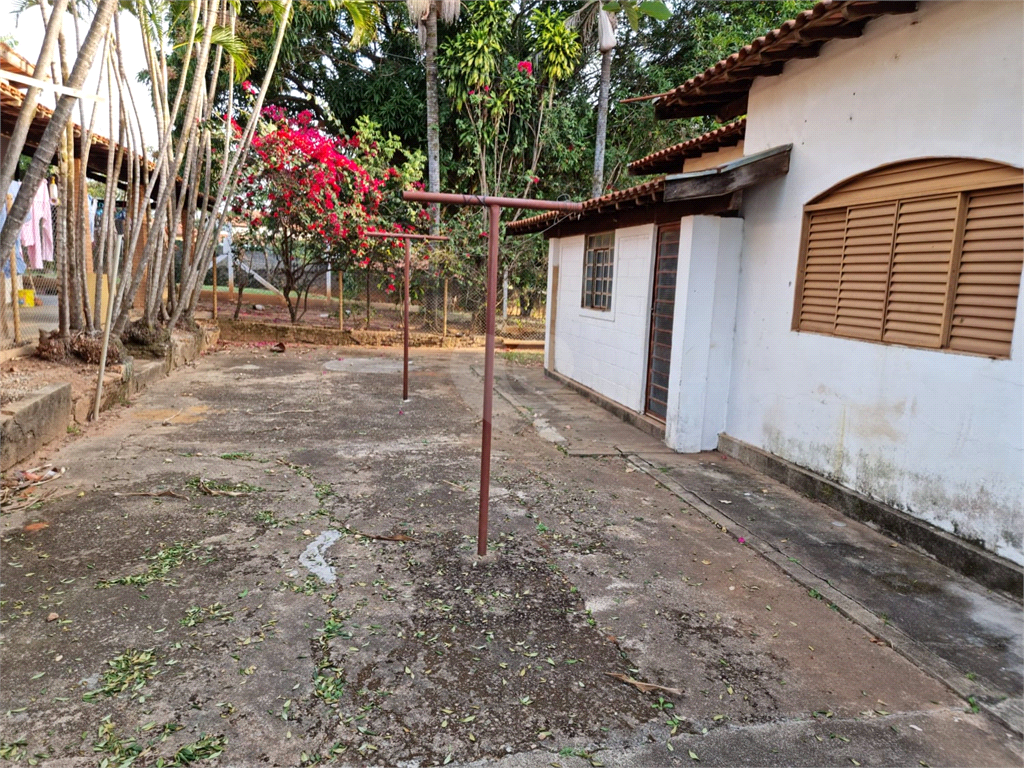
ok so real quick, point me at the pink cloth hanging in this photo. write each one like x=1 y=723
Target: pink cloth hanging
x=37 y=231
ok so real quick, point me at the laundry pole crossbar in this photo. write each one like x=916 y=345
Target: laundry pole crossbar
x=494 y=206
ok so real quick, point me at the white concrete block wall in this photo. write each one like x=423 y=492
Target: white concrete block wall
x=606 y=351
x=935 y=433
x=702 y=330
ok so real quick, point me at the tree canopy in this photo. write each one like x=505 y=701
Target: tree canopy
x=385 y=79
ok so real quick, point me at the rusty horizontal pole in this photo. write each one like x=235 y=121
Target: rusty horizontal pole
x=415 y=196
x=494 y=206
x=406 y=235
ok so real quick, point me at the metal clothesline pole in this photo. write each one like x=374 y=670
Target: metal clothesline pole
x=408 y=238
x=494 y=206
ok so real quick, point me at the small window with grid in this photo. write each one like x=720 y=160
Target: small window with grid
x=597 y=272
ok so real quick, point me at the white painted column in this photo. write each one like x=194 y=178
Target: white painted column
x=551 y=305
x=702 y=331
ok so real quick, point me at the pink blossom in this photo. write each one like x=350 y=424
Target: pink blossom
x=525 y=66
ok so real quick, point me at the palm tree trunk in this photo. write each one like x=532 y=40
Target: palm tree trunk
x=433 y=117
x=55 y=128
x=602 y=123
x=28 y=108
x=229 y=178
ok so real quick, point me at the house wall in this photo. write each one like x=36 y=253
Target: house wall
x=702 y=331
x=605 y=351
x=932 y=432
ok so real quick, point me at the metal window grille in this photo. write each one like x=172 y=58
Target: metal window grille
x=597 y=272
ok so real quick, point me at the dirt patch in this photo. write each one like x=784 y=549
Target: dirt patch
x=24 y=375
x=252 y=331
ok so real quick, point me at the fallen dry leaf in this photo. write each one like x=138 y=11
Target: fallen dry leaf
x=155 y=494
x=53 y=617
x=386 y=537
x=642 y=686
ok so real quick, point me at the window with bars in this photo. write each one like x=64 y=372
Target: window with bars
x=597 y=271
x=923 y=264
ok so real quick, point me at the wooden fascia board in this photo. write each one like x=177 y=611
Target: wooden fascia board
x=699 y=109
x=807 y=51
x=835 y=32
x=869 y=11
x=732 y=110
x=729 y=178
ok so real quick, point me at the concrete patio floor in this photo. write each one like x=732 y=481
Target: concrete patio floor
x=306 y=591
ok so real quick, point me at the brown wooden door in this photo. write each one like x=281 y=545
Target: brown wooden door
x=663 y=301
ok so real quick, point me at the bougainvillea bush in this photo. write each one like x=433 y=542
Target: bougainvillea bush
x=308 y=198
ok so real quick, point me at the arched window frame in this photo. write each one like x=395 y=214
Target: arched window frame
x=925 y=253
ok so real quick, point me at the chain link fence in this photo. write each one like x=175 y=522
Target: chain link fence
x=440 y=304
x=29 y=305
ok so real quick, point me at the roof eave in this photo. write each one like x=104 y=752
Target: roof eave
x=721 y=90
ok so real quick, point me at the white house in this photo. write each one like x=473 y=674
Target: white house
x=833 y=280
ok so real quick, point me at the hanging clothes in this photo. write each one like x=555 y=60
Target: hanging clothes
x=93 y=203
x=19 y=261
x=37 y=231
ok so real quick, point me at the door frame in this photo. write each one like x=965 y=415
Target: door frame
x=661 y=229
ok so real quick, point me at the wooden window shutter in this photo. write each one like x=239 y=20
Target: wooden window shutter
x=864 y=276
x=926 y=253
x=922 y=254
x=985 y=297
x=824 y=257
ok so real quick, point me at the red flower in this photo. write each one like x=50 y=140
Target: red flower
x=525 y=66
x=535 y=180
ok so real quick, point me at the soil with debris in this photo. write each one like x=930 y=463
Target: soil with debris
x=285 y=573
x=22 y=376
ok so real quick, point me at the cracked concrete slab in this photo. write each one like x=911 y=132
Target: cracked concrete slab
x=193 y=623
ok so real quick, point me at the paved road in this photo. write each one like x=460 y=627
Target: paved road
x=271 y=559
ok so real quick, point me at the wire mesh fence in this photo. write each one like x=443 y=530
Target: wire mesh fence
x=36 y=294
x=440 y=304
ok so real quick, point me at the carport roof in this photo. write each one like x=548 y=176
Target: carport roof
x=12 y=98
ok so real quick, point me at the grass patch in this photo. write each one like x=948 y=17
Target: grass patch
x=163 y=562
x=129 y=671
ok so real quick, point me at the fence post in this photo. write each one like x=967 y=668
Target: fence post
x=214 y=284
x=341 y=300
x=444 y=326
x=504 y=297
x=15 y=309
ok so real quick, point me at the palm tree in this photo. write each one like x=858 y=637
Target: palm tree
x=425 y=13
x=28 y=106
x=54 y=132
x=601 y=15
